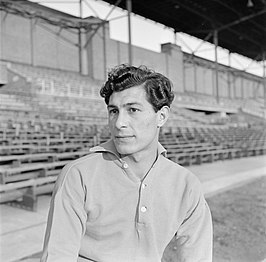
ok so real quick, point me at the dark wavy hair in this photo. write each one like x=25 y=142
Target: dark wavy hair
x=158 y=87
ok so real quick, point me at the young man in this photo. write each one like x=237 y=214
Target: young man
x=125 y=201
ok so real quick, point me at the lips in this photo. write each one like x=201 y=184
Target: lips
x=123 y=137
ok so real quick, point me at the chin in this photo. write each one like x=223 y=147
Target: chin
x=124 y=149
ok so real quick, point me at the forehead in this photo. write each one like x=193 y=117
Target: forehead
x=135 y=94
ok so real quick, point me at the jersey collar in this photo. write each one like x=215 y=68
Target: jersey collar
x=109 y=146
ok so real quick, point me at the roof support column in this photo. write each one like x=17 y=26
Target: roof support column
x=32 y=41
x=229 y=76
x=80 y=50
x=129 y=9
x=104 y=52
x=80 y=38
x=83 y=51
x=264 y=80
x=215 y=40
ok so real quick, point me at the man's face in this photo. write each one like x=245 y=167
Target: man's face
x=133 y=122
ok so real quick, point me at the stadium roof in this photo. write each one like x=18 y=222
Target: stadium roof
x=45 y=14
x=240 y=24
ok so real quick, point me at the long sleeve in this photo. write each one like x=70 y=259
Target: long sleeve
x=195 y=236
x=66 y=219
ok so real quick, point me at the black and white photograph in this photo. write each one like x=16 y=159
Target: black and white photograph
x=132 y=131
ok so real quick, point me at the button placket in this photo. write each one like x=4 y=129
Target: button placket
x=140 y=226
x=144 y=201
x=143 y=204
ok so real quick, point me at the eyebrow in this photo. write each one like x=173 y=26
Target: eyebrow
x=125 y=105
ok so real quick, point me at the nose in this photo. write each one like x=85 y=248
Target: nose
x=121 y=120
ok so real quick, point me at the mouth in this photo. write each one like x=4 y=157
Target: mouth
x=123 y=138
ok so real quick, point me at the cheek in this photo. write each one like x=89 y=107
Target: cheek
x=148 y=124
x=111 y=121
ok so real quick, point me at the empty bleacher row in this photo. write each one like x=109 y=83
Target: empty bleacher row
x=196 y=145
x=49 y=84
x=30 y=166
x=254 y=106
x=43 y=128
x=57 y=82
x=30 y=161
x=68 y=96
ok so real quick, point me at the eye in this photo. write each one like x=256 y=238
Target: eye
x=133 y=110
x=113 y=111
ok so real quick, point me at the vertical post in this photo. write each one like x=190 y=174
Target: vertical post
x=242 y=86
x=104 y=52
x=264 y=81
x=175 y=38
x=194 y=73
x=228 y=75
x=215 y=40
x=129 y=9
x=80 y=38
x=79 y=46
x=184 y=77
x=32 y=34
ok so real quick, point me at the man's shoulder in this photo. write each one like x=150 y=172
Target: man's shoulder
x=80 y=167
x=179 y=171
x=94 y=154
x=173 y=165
x=92 y=157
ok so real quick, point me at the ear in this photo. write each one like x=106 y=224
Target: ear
x=163 y=115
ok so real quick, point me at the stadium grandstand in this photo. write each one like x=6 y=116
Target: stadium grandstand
x=52 y=66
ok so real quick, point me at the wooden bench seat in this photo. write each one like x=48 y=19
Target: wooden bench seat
x=17 y=160
x=208 y=155
x=16 y=149
x=47 y=141
x=30 y=149
x=24 y=193
x=254 y=150
x=32 y=170
x=71 y=155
